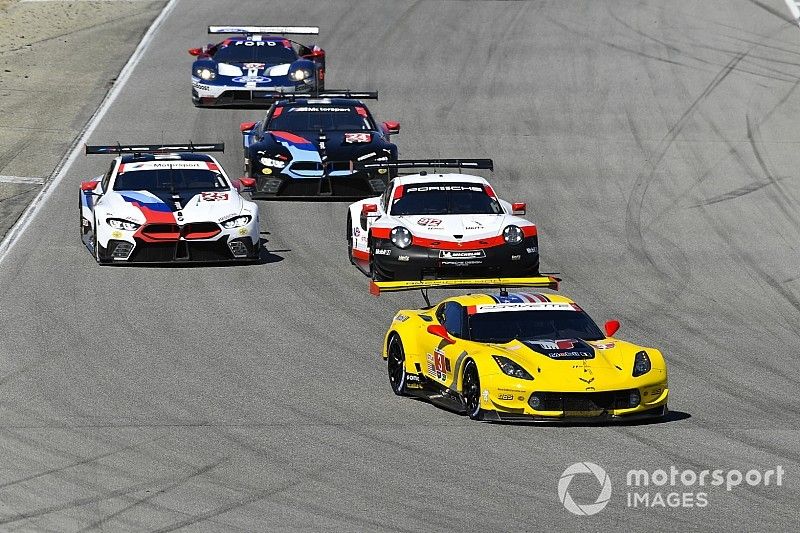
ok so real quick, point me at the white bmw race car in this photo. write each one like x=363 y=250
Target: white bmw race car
x=167 y=203
x=440 y=226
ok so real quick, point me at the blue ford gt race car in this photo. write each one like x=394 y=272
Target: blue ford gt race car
x=307 y=147
x=256 y=66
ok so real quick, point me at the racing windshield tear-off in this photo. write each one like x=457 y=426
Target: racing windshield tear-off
x=268 y=52
x=503 y=327
x=445 y=199
x=169 y=180
x=316 y=118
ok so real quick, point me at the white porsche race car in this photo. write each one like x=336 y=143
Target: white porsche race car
x=440 y=226
x=167 y=203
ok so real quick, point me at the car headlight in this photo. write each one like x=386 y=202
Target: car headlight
x=118 y=223
x=237 y=222
x=641 y=364
x=510 y=368
x=512 y=234
x=205 y=73
x=300 y=74
x=400 y=237
x=270 y=162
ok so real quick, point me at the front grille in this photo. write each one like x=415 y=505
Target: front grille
x=200 y=230
x=162 y=252
x=163 y=232
x=306 y=166
x=581 y=401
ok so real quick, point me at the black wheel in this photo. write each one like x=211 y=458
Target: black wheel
x=350 y=239
x=396 y=364
x=471 y=390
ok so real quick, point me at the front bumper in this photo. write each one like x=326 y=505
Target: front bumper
x=417 y=262
x=180 y=251
x=206 y=94
x=506 y=403
x=351 y=186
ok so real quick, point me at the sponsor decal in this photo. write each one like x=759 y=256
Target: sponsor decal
x=356 y=231
x=309 y=109
x=251 y=79
x=461 y=263
x=242 y=231
x=413 y=377
x=254 y=43
x=506 y=397
x=532 y=250
x=116 y=234
x=427 y=188
x=563 y=349
x=383 y=251
x=402 y=258
x=459 y=254
x=516 y=257
x=201 y=87
x=531 y=306
x=213 y=196
x=401 y=317
x=429 y=222
x=157 y=165
x=603 y=345
x=270 y=162
x=250 y=66
x=357 y=137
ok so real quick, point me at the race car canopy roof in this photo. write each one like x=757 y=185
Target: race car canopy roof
x=278 y=30
x=153 y=148
x=483 y=164
x=548 y=282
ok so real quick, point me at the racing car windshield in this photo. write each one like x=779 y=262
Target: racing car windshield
x=268 y=52
x=317 y=117
x=169 y=180
x=445 y=199
x=503 y=327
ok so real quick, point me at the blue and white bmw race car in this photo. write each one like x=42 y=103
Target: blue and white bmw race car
x=166 y=203
x=256 y=66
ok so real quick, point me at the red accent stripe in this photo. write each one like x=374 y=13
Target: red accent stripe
x=527 y=297
x=360 y=254
x=528 y=231
x=398 y=192
x=381 y=233
x=121 y=169
x=489 y=191
x=212 y=166
x=471 y=309
x=361 y=111
x=192 y=235
x=461 y=245
x=277 y=112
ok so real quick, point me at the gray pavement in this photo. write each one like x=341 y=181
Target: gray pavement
x=57 y=61
x=655 y=144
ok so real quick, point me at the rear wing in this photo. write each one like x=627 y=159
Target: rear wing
x=544 y=282
x=120 y=149
x=327 y=93
x=479 y=164
x=272 y=30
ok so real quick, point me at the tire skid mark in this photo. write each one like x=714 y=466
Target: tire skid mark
x=148 y=499
x=81 y=502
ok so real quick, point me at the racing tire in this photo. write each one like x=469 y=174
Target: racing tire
x=471 y=390
x=396 y=365
x=350 y=240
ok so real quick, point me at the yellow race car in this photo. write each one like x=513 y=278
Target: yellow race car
x=525 y=356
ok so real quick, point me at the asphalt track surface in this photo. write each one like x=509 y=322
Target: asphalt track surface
x=655 y=144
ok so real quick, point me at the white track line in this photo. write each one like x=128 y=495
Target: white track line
x=794 y=7
x=21 y=179
x=30 y=212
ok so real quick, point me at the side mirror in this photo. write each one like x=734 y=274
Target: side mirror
x=247 y=127
x=89 y=186
x=440 y=331
x=392 y=127
x=195 y=51
x=247 y=184
x=518 y=208
x=612 y=326
x=366 y=209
